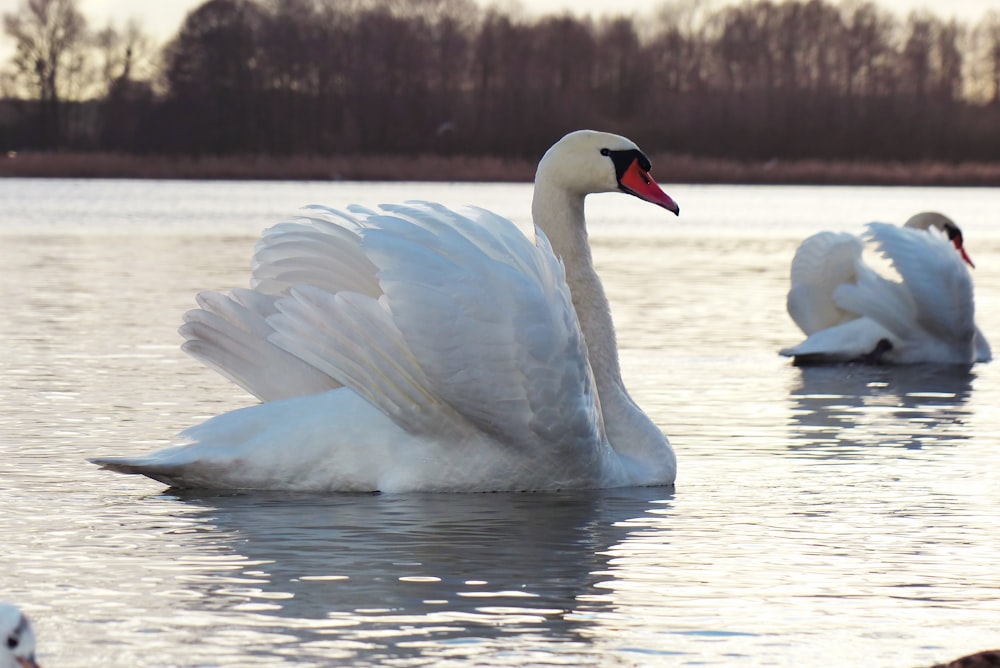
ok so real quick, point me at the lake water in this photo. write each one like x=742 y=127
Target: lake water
x=821 y=517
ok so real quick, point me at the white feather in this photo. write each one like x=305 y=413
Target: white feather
x=823 y=261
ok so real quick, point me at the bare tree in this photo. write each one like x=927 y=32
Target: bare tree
x=865 y=47
x=123 y=54
x=622 y=68
x=917 y=52
x=49 y=36
x=988 y=40
x=124 y=65
x=212 y=69
x=949 y=62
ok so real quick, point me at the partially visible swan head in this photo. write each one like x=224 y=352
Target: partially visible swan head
x=587 y=161
x=18 y=638
x=929 y=219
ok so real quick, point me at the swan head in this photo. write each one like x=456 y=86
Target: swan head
x=587 y=161
x=18 y=637
x=929 y=219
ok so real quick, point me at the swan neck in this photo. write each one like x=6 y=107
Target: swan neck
x=560 y=215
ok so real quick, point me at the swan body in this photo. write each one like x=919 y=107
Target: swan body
x=851 y=313
x=417 y=347
x=18 y=648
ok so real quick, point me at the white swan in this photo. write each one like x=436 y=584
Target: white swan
x=420 y=348
x=18 y=650
x=850 y=313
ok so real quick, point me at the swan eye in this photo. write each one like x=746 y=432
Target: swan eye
x=605 y=151
x=12 y=642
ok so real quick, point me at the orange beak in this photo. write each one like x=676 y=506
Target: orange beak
x=960 y=247
x=637 y=181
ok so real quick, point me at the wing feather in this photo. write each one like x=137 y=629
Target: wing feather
x=935 y=277
x=447 y=283
x=353 y=338
x=229 y=334
x=446 y=321
x=312 y=251
x=822 y=263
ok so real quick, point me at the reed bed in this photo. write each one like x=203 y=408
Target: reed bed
x=667 y=169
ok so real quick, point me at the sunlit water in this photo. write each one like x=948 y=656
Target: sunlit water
x=822 y=517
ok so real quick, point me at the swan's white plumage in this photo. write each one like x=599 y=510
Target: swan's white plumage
x=825 y=259
x=850 y=312
x=18 y=648
x=413 y=347
x=502 y=365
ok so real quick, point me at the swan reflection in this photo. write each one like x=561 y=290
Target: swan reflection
x=405 y=574
x=842 y=409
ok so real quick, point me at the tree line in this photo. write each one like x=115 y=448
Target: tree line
x=757 y=80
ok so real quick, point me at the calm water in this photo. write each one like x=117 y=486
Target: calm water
x=834 y=517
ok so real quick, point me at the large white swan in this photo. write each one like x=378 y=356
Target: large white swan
x=420 y=348
x=851 y=313
x=18 y=650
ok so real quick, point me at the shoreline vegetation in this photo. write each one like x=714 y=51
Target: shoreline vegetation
x=666 y=168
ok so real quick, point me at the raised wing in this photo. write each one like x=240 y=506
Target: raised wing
x=229 y=332
x=322 y=250
x=822 y=263
x=935 y=277
x=475 y=325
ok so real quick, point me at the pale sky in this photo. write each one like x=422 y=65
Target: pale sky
x=162 y=18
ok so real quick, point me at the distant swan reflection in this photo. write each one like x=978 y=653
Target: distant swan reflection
x=844 y=409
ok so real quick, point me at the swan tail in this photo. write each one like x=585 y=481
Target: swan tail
x=821 y=263
x=860 y=339
x=172 y=475
x=332 y=441
x=984 y=353
x=328 y=441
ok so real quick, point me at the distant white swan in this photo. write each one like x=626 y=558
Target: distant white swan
x=851 y=313
x=18 y=650
x=420 y=348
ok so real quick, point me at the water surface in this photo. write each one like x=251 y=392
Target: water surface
x=837 y=517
